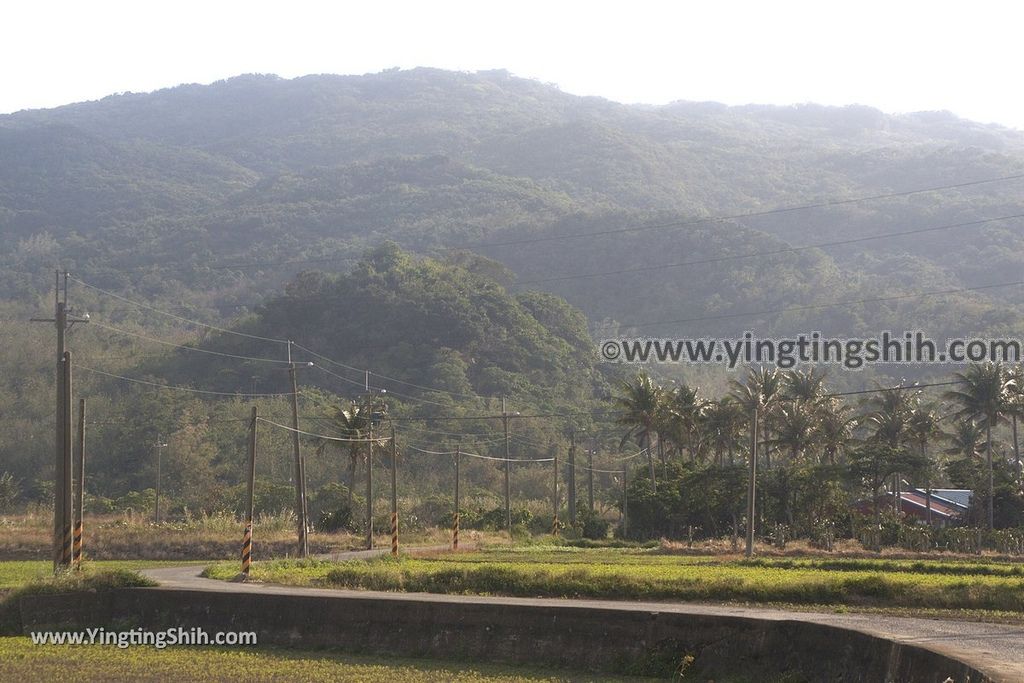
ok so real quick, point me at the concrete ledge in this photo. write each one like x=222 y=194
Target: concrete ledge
x=583 y=638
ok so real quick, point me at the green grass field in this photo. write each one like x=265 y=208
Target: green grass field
x=644 y=574
x=17 y=573
x=21 y=660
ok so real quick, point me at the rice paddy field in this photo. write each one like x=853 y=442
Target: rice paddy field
x=652 y=574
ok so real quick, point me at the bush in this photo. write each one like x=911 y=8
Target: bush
x=591 y=525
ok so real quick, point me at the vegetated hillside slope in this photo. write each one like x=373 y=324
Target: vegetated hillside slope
x=161 y=193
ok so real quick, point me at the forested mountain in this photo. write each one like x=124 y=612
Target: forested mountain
x=213 y=196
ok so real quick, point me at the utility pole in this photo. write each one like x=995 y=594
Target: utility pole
x=394 y=493
x=590 y=474
x=455 y=524
x=554 y=495
x=572 y=477
x=508 y=469
x=300 y=468
x=625 y=502
x=250 y=506
x=62 y=489
x=76 y=558
x=158 y=446
x=752 y=484
x=250 y=503
x=369 y=473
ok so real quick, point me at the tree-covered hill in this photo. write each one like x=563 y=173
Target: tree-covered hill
x=213 y=197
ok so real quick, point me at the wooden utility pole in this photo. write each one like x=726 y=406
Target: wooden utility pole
x=572 y=477
x=300 y=470
x=508 y=470
x=752 y=484
x=80 y=492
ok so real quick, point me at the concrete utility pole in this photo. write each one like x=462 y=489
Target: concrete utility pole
x=508 y=469
x=455 y=523
x=394 y=493
x=250 y=480
x=80 y=492
x=158 y=447
x=590 y=474
x=572 y=477
x=62 y=481
x=554 y=494
x=369 y=473
x=625 y=502
x=300 y=467
x=752 y=484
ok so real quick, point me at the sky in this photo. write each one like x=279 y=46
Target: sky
x=898 y=56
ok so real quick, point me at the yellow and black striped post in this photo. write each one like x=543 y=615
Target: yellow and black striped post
x=67 y=553
x=79 y=499
x=455 y=523
x=394 y=493
x=76 y=559
x=247 y=550
x=394 y=534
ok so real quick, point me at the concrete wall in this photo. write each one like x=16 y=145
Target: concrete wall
x=580 y=638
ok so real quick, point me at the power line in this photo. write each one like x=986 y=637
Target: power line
x=390 y=379
x=749 y=214
x=322 y=436
x=834 y=304
x=177 y=317
x=185 y=347
x=176 y=387
x=773 y=252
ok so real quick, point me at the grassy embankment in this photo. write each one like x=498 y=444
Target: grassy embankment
x=20 y=660
x=645 y=574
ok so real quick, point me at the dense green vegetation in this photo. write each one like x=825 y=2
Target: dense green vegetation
x=273 y=207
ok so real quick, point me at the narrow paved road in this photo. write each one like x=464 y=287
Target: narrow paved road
x=995 y=649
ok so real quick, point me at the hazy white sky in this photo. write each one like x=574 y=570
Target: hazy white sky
x=897 y=55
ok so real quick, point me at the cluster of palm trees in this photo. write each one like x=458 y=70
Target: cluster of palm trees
x=799 y=422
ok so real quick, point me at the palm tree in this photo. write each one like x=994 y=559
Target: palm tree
x=686 y=411
x=722 y=424
x=760 y=392
x=641 y=404
x=835 y=429
x=986 y=393
x=889 y=421
x=796 y=432
x=923 y=427
x=352 y=424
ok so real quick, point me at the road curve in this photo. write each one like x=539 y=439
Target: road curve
x=994 y=649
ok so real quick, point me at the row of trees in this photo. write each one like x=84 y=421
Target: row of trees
x=875 y=440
